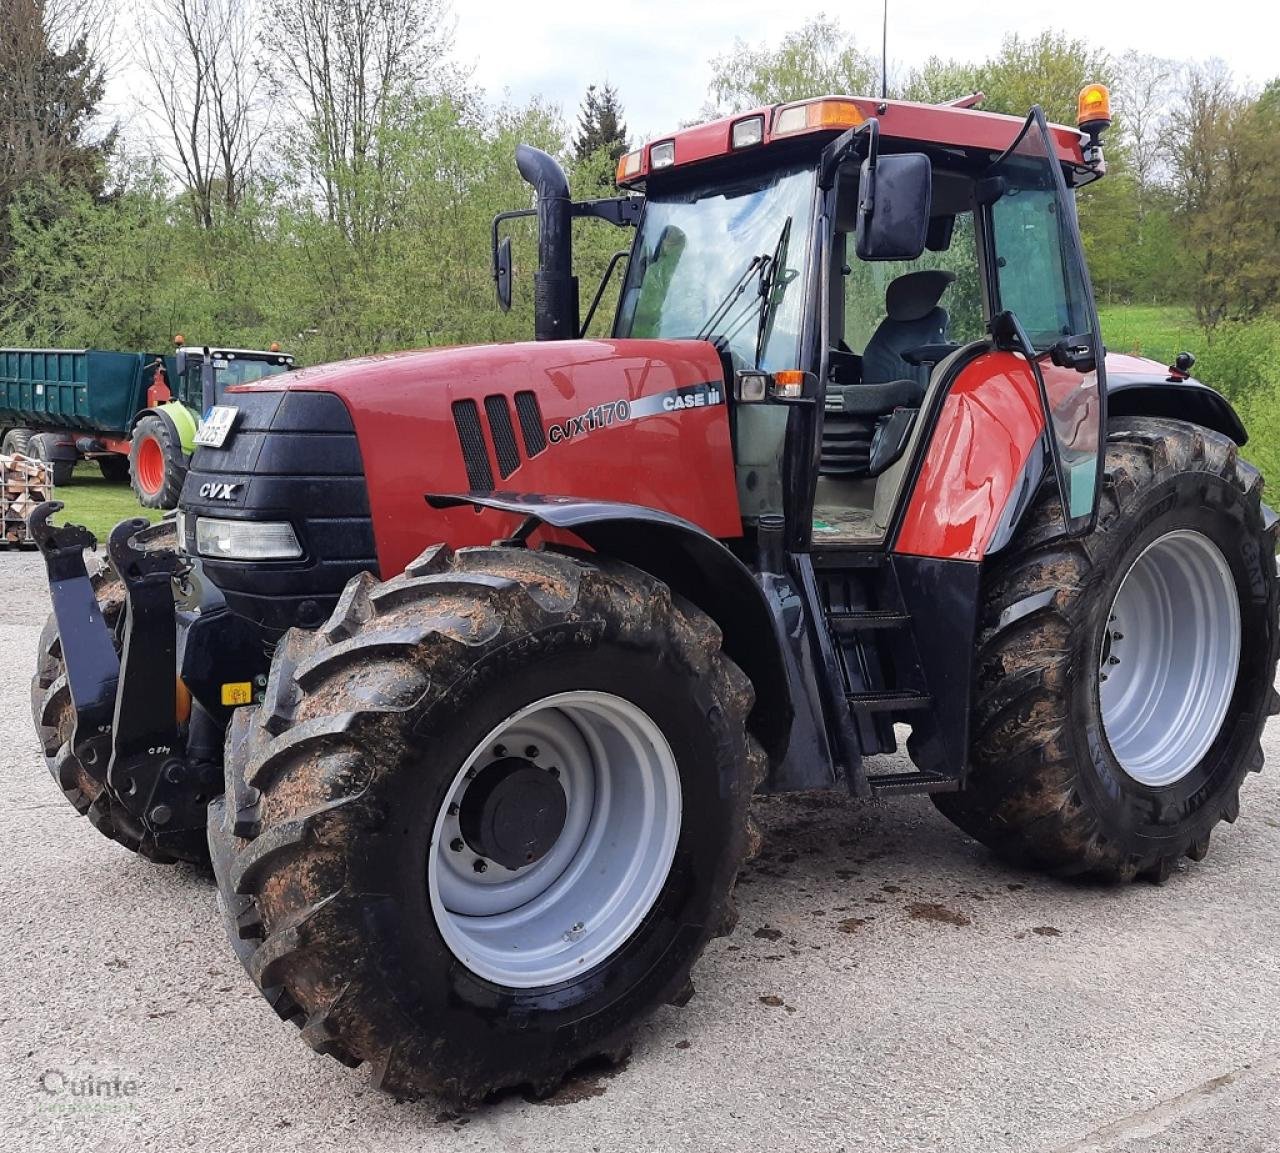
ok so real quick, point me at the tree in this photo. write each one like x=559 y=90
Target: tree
x=205 y=84
x=1227 y=181
x=819 y=58
x=352 y=69
x=600 y=124
x=51 y=84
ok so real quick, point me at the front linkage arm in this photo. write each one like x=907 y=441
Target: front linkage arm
x=127 y=726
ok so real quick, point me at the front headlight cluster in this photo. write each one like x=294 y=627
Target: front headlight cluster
x=246 y=539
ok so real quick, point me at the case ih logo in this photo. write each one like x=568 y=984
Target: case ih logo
x=623 y=411
x=219 y=491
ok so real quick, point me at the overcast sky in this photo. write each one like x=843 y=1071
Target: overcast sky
x=655 y=52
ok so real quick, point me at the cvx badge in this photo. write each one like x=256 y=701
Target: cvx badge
x=617 y=412
x=220 y=490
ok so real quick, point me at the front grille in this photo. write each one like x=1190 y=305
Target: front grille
x=292 y=456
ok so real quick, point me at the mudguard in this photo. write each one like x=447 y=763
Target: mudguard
x=1145 y=393
x=180 y=418
x=689 y=560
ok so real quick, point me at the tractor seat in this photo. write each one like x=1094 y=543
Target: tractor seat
x=912 y=318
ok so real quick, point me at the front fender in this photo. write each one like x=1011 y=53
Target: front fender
x=1190 y=400
x=692 y=563
x=180 y=418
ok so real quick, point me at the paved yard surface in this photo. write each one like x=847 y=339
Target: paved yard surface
x=890 y=987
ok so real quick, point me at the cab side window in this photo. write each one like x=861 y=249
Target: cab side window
x=1036 y=282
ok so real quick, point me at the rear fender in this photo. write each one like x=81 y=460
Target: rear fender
x=692 y=563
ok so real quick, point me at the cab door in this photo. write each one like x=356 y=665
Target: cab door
x=1037 y=275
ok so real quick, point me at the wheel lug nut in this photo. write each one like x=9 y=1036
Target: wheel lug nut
x=453 y=809
x=1113 y=660
x=531 y=751
x=499 y=750
x=1117 y=636
x=456 y=845
x=554 y=771
x=479 y=866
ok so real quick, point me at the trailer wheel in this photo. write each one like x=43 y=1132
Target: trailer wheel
x=17 y=442
x=52 y=712
x=487 y=817
x=1123 y=679
x=114 y=468
x=41 y=448
x=157 y=463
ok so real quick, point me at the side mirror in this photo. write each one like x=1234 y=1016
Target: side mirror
x=895 y=196
x=502 y=274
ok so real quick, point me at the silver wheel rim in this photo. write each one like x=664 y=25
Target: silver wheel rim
x=1169 y=658
x=578 y=904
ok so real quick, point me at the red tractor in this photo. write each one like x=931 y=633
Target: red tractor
x=473 y=658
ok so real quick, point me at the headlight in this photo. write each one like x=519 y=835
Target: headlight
x=246 y=539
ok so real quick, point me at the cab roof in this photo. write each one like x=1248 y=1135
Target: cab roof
x=824 y=117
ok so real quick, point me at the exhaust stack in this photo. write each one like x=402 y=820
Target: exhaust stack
x=555 y=288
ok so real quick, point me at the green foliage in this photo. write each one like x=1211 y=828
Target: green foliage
x=49 y=97
x=820 y=58
x=600 y=125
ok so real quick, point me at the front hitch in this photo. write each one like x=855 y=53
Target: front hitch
x=88 y=652
x=128 y=732
x=147 y=748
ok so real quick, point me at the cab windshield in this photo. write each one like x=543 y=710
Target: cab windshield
x=725 y=264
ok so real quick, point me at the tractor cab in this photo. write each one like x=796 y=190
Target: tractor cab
x=865 y=245
x=202 y=375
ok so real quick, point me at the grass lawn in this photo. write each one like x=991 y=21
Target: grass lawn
x=97 y=504
x=1157 y=331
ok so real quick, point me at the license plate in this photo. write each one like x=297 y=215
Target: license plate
x=216 y=426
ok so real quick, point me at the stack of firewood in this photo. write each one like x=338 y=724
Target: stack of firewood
x=24 y=483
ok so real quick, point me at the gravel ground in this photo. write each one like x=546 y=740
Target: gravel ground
x=889 y=987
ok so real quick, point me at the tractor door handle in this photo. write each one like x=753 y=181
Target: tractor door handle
x=1074 y=352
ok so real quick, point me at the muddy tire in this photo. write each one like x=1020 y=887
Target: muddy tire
x=52 y=713
x=368 y=858
x=16 y=442
x=1123 y=679
x=157 y=464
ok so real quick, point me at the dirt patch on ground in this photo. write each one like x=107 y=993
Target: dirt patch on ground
x=853 y=924
x=932 y=911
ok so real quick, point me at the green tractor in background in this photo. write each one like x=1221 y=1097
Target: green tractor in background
x=164 y=433
x=133 y=413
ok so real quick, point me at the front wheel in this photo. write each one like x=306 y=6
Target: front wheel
x=157 y=464
x=487 y=817
x=1123 y=679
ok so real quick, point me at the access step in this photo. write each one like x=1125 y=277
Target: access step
x=851 y=623
x=912 y=783
x=890 y=702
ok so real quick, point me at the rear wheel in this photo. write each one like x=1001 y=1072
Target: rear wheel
x=1123 y=679
x=157 y=464
x=487 y=818
x=42 y=448
x=114 y=468
x=16 y=442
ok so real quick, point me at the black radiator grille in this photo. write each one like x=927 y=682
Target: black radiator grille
x=466 y=418
x=504 y=436
x=530 y=414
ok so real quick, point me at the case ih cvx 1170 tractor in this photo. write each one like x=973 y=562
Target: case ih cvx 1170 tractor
x=476 y=656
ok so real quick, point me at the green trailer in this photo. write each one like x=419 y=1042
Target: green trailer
x=134 y=413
